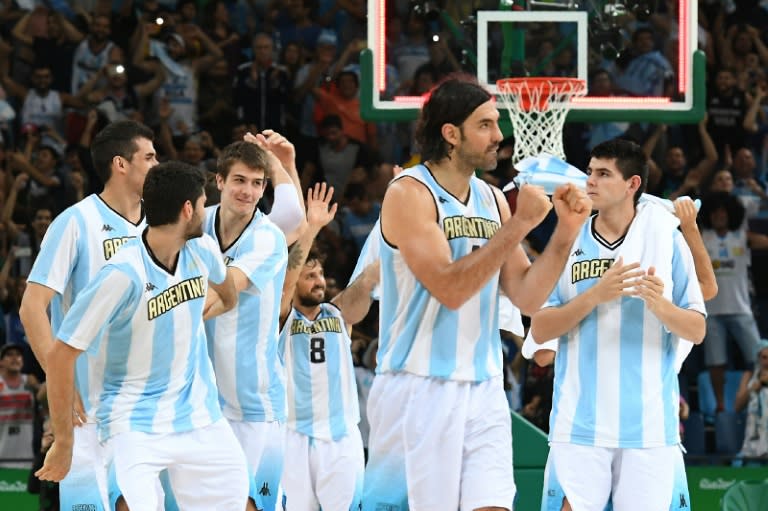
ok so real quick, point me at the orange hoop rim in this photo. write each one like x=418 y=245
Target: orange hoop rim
x=545 y=87
x=547 y=84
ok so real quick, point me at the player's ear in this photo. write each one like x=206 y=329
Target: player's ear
x=451 y=133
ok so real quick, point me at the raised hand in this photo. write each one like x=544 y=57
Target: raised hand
x=650 y=288
x=572 y=206
x=685 y=210
x=277 y=144
x=320 y=212
x=532 y=206
x=618 y=280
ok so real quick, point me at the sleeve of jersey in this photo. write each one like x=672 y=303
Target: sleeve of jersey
x=686 y=292
x=369 y=253
x=211 y=255
x=58 y=253
x=265 y=257
x=108 y=295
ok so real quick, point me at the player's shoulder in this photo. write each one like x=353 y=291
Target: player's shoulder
x=261 y=225
x=80 y=211
x=203 y=243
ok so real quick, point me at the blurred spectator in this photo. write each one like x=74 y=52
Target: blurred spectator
x=738 y=43
x=335 y=157
x=648 y=72
x=41 y=105
x=745 y=182
x=344 y=102
x=217 y=26
x=319 y=72
x=92 y=53
x=17 y=408
x=675 y=178
x=56 y=50
x=295 y=22
x=110 y=92
x=359 y=215
x=215 y=102
x=730 y=312
x=180 y=87
x=753 y=395
x=41 y=178
x=262 y=88
x=413 y=50
x=726 y=107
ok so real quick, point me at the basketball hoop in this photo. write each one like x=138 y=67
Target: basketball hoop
x=537 y=108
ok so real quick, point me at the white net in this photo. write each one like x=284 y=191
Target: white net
x=537 y=109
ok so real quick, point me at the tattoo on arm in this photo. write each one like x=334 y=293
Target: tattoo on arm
x=295 y=256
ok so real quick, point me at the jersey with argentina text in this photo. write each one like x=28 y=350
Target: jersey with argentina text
x=157 y=374
x=243 y=342
x=320 y=383
x=418 y=334
x=615 y=373
x=77 y=244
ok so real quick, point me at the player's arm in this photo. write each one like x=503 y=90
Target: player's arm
x=544 y=358
x=529 y=285
x=355 y=301
x=221 y=297
x=214 y=305
x=553 y=322
x=60 y=385
x=408 y=222
x=33 y=313
x=288 y=210
x=686 y=211
x=685 y=323
x=320 y=212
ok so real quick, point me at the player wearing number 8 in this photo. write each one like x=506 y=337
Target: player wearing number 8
x=322 y=441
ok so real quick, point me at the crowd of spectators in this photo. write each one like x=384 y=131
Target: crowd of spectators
x=203 y=73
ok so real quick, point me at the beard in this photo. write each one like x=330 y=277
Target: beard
x=195 y=229
x=309 y=300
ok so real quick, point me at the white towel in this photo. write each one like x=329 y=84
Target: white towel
x=509 y=317
x=530 y=346
x=649 y=242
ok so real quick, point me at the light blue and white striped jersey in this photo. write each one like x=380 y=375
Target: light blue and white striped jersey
x=243 y=342
x=418 y=334
x=615 y=374
x=157 y=374
x=321 y=386
x=77 y=244
x=368 y=255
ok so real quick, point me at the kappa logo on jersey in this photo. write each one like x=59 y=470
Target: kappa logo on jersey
x=112 y=245
x=321 y=325
x=264 y=491
x=469 y=227
x=228 y=260
x=578 y=252
x=683 y=502
x=590 y=269
x=150 y=287
x=175 y=295
x=107 y=228
x=442 y=200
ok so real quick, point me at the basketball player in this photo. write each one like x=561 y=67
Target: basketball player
x=323 y=441
x=77 y=244
x=440 y=427
x=159 y=408
x=614 y=422
x=242 y=343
